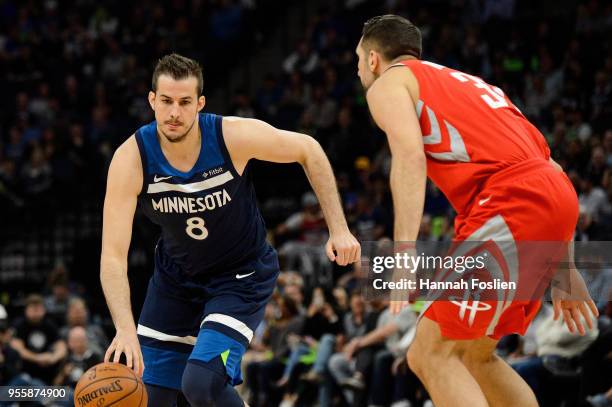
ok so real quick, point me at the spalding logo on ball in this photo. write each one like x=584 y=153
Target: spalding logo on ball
x=108 y=384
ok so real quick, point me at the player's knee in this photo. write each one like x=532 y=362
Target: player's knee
x=476 y=359
x=424 y=353
x=201 y=384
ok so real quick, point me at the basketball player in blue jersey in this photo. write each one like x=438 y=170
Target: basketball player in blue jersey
x=214 y=270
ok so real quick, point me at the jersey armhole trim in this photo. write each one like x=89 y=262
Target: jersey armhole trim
x=143 y=160
x=223 y=147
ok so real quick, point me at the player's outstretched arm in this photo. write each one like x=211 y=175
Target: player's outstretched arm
x=393 y=110
x=122 y=189
x=250 y=138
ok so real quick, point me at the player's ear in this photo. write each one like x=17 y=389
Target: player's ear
x=373 y=61
x=152 y=99
x=201 y=103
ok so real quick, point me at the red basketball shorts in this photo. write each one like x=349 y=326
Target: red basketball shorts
x=522 y=220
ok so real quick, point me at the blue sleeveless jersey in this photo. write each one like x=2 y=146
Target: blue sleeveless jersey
x=208 y=216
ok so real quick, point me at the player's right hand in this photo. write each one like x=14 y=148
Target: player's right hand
x=347 y=248
x=126 y=343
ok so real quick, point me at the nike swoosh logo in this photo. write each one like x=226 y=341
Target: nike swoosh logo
x=484 y=201
x=157 y=179
x=239 y=276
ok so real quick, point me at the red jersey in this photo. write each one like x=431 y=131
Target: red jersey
x=470 y=130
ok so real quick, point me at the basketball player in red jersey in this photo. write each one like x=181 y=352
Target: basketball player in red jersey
x=495 y=169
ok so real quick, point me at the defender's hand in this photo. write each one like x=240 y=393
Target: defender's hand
x=345 y=245
x=126 y=343
x=574 y=302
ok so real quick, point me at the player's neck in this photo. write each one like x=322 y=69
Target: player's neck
x=386 y=65
x=185 y=149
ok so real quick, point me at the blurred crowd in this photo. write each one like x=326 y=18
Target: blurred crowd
x=78 y=73
x=53 y=341
x=315 y=346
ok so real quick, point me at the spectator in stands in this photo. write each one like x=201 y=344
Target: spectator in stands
x=262 y=374
x=77 y=315
x=321 y=319
x=80 y=358
x=15 y=145
x=56 y=303
x=556 y=350
x=294 y=292
x=347 y=140
x=306 y=252
x=586 y=229
x=322 y=109
x=226 y=21
x=37 y=341
x=242 y=106
x=258 y=350
x=537 y=99
x=353 y=280
x=594 y=199
x=342 y=299
x=597 y=169
x=353 y=325
x=9 y=185
x=598 y=277
x=600 y=98
x=596 y=374
x=369 y=219
x=515 y=348
x=10 y=362
x=291 y=284
x=352 y=368
x=36 y=175
x=268 y=97
x=304 y=59
x=607 y=145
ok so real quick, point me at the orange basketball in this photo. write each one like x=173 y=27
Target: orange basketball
x=108 y=384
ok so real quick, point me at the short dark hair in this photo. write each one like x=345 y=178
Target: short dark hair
x=392 y=36
x=178 y=67
x=34 y=299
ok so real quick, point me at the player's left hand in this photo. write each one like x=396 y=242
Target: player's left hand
x=347 y=249
x=574 y=304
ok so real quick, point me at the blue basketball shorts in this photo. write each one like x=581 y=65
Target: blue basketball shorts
x=201 y=319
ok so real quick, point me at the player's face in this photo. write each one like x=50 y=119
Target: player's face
x=176 y=105
x=366 y=76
